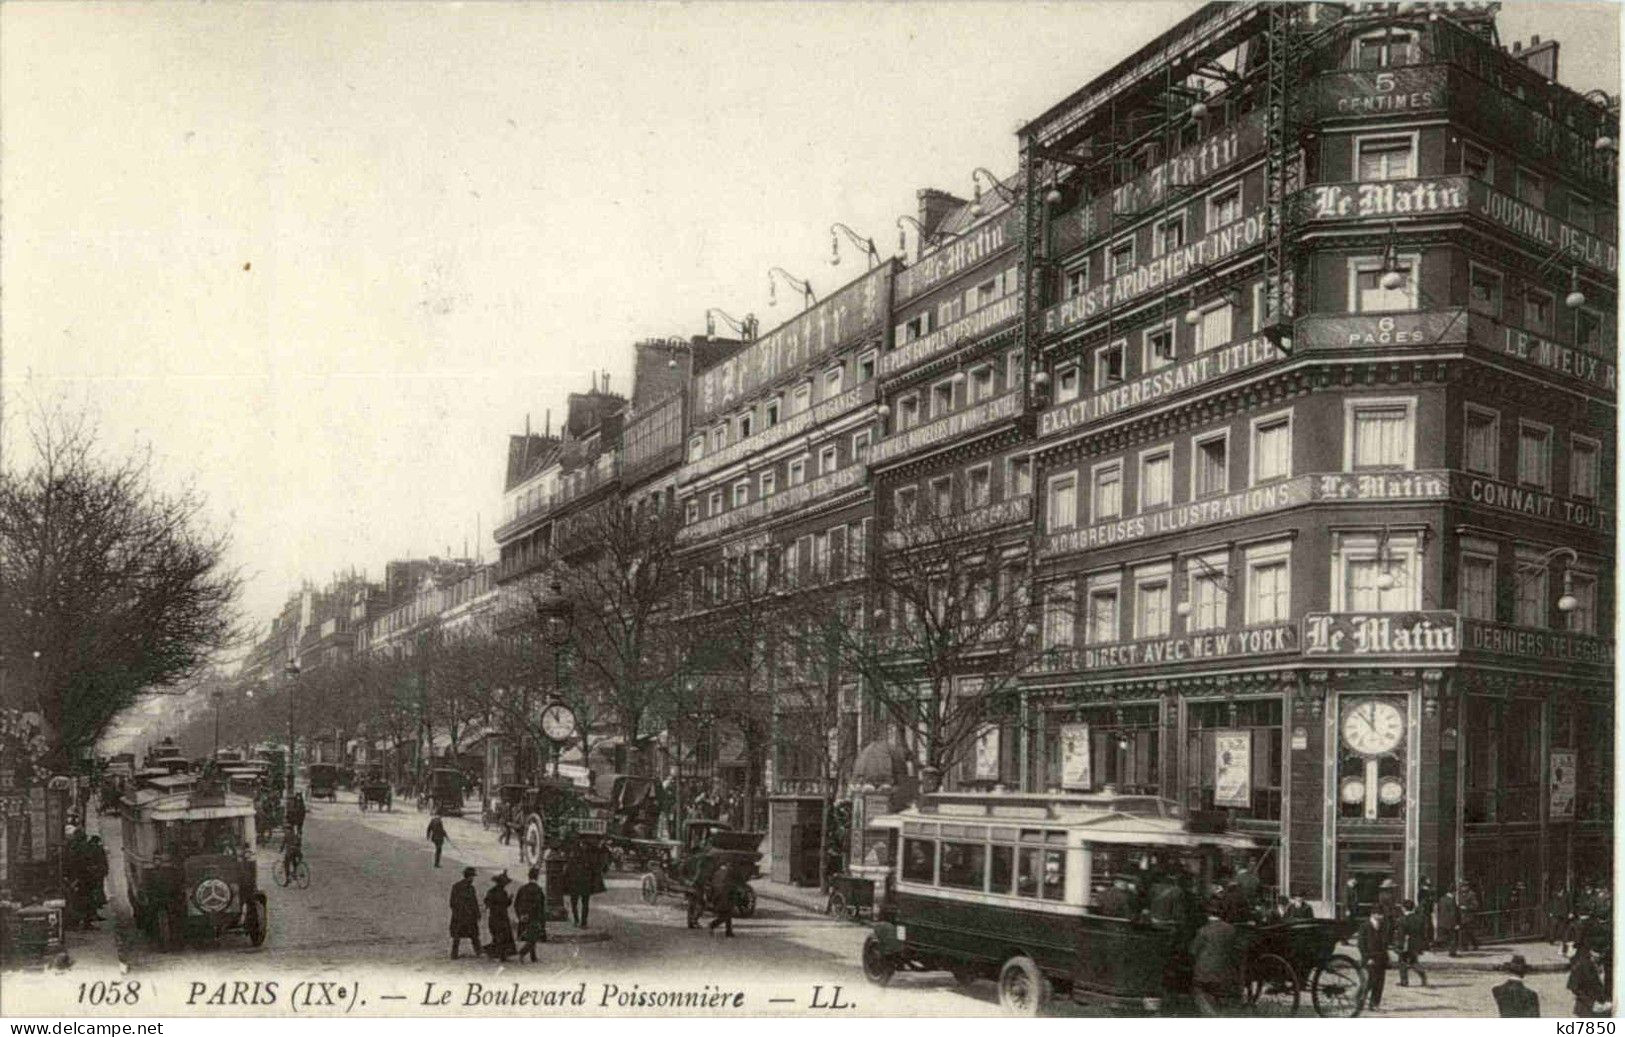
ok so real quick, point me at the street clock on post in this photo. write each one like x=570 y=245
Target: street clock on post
x=558 y=722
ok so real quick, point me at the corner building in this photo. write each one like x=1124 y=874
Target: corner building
x=1322 y=337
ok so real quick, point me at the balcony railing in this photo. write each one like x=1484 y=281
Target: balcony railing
x=949 y=426
x=789 y=428
x=787 y=499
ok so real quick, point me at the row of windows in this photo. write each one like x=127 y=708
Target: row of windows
x=813 y=558
x=768 y=413
x=1108 y=615
x=1269 y=459
x=957 y=306
x=961 y=389
x=1535 y=309
x=1482 y=447
x=826 y=458
x=975 y=487
x=1521 y=593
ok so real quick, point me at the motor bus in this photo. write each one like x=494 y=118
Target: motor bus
x=1007 y=886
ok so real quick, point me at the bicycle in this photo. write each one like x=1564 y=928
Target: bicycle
x=298 y=875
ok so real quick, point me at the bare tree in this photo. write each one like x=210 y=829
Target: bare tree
x=949 y=622
x=615 y=572
x=109 y=587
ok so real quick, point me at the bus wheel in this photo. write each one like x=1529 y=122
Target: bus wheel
x=878 y=967
x=1022 y=987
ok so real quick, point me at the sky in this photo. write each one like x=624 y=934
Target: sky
x=323 y=259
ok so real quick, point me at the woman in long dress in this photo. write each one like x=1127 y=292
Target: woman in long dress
x=497 y=919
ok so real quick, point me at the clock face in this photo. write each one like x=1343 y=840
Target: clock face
x=558 y=722
x=1373 y=727
x=1390 y=791
x=1353 y=790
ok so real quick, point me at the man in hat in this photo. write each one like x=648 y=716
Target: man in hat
x=1467 y=900
x=465 y=913
x=530 y=908
x=1514 y=1000
x=1301 y=909
x=1372 y=942
x=1388 y=897
x=1216 y=965
x=497 y=902
x=1413 y=940
x=1449 y=931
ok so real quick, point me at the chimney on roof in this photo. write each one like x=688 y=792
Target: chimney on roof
x=1542 y=57
x=934 y=207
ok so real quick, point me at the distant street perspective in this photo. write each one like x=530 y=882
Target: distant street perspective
x=1175 y=581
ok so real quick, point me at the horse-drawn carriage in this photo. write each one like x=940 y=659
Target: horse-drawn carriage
x=324 y=781
x=442 y=792
x=546 y=814
x=375 y=791
x=684 y=868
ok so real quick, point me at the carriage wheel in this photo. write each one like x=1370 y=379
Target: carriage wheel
x=836 y=907
x=279 y=873
x=530 y=842
x=878 y=968
x=744 y=901
x=649 y=889
x=301 y=875
x=1336 y=987
x=1022 y=987
x=1271 y=986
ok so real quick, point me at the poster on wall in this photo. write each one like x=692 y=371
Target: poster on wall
x=1232 y=768
x=1075 y=757
x=1562 y=805
x=987 y=755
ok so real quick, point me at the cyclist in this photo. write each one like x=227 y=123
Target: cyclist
x=293 y=850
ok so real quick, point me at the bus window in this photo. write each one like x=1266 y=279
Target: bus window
x=917 y=860
x=1042 y=874
x=963 y=865
x=1113 y=859
x=1004 y=866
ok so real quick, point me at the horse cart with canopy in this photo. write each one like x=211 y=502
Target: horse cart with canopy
x=375 y=791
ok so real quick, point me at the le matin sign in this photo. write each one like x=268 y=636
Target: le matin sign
x=1386 y=198
x=1434 y=633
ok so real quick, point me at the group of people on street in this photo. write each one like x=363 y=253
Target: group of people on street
x=84 y=870
x=516 y=923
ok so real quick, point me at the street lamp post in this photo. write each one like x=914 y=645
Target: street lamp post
x=215 y=697
x=292 y=673
x=557 y=621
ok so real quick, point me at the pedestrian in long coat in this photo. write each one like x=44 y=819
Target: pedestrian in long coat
x=465 y=913
x=497 y=902
x=723 y=881
x=1467 y=900
x=96 y=876
x=296 y=812
x=1413 y=940
x=1215 y=967
x=436 y=834
x=1450 y=922
x=1585 y=982
x=530 y=908
x=1372 y=942
x=583 y=876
